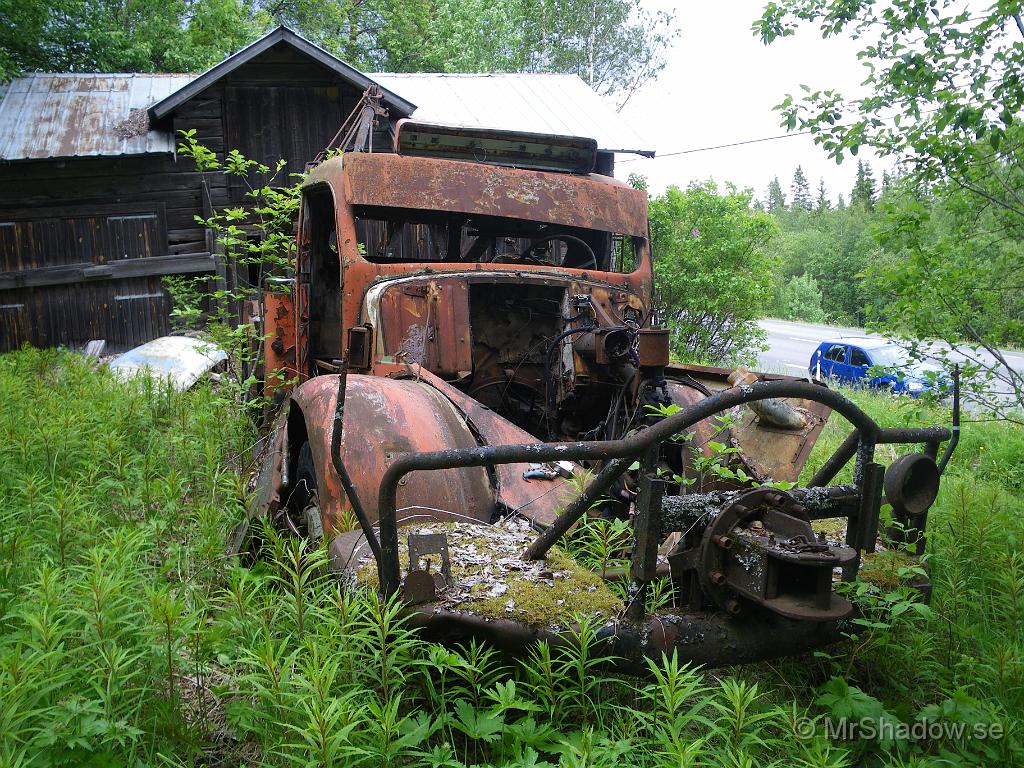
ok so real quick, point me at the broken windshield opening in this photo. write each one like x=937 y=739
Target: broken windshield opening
x=394 y=235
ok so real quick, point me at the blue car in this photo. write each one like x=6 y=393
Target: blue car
x=875 y=363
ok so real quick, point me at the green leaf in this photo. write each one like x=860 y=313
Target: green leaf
x=483 y=726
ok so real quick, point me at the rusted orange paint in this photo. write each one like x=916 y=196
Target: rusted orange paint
x=539 y=502
x=395 y=181
x=279 y=344
x=595 y=202
x=374 y=407
x=424 y=317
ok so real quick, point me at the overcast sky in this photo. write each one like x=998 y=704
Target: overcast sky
x=720 y=85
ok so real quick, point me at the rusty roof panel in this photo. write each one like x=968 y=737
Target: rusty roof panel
x=422 y=183
x=74 y=115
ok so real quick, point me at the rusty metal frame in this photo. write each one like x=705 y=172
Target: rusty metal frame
x=710 y=638
x=380 y=179
x=620 y=452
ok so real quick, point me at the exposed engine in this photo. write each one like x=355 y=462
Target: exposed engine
x=554 y=363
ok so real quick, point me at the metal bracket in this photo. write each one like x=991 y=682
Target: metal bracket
x=423 y=583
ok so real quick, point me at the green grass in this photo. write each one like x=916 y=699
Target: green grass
x=126 y=638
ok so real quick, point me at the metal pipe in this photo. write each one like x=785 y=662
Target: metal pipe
x=888 y=435
x=832 y=466
x=956 y=421
x=337 y=429
x=681 y=513
x=628 y=447
x=710 y=639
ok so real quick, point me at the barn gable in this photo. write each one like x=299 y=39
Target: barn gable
x=280 y=56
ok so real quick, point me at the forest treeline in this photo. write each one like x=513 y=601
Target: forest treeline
x=889 y=254
x=614 y=45
x=823 y=250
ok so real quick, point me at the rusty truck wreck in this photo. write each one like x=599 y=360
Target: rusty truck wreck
x=471 y=333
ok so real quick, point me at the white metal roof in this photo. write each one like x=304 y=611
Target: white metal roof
x=71 y=115
x=535 y=102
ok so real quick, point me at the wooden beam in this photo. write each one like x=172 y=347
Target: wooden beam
x=114 y=270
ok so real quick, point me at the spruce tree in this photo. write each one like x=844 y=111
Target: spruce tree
x=776 y=201
x=801 y=191
x=864 y=187
x=823 y=203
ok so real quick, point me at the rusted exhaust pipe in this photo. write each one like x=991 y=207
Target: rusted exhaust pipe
x=774 y=412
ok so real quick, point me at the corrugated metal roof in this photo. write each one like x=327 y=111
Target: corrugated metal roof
x=534 y=102
x=71 y=115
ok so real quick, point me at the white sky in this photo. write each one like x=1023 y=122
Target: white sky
x=720 y=85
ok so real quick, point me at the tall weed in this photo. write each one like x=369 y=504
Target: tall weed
x=127 y=638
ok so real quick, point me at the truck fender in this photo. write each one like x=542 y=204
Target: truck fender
x=384 y=418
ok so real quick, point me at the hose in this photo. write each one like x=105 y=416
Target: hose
x=548 y=382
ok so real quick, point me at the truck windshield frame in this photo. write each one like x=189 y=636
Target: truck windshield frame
x=416 y=236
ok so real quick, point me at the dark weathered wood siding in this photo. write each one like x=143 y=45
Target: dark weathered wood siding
x=84 y=241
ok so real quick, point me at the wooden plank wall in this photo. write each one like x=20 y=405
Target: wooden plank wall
x=83 y=243
x=283 y=106
x=76 y=233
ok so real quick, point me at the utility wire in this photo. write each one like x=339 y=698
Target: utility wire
x=737 y=143
x=719 y=146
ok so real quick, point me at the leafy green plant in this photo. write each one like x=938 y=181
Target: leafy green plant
x=256 y=241
x=799 y=298
x=711 y=459
x=713 y=270
x=601 y=544
x=127 y=638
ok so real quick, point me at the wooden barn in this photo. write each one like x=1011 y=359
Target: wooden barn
x=96 y=207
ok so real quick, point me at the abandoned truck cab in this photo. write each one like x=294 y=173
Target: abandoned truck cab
x=475 y=371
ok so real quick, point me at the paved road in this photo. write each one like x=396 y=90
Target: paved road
x=790 y=345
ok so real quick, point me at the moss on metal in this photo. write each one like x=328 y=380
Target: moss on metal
x=490 y=579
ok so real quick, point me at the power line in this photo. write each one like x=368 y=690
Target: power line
x=719 y=146
x=739 y=143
